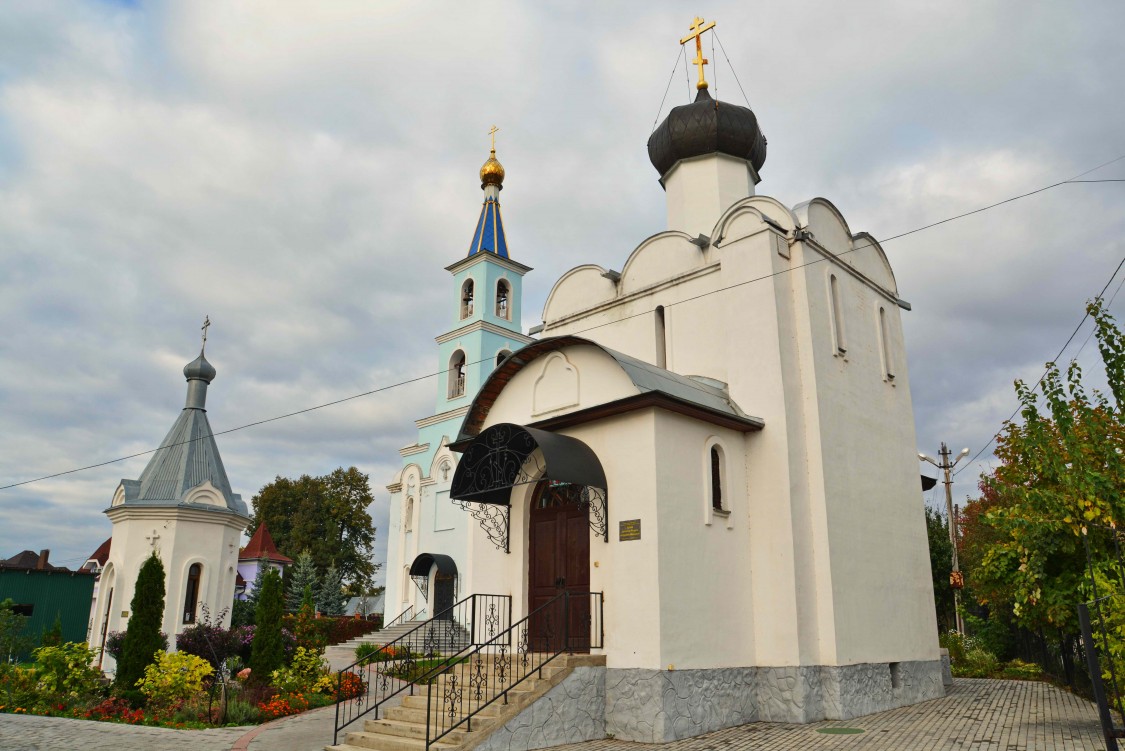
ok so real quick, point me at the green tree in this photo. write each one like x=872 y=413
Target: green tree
x=267 y=651
x=326 y=516
x=1058 y=490
x=303 y=575
x=52 y=637
x=13 y=641
x=143 y=638
x=330 y=596
x=941 y=563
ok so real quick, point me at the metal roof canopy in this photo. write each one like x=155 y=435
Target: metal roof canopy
x=423 y=563
x=493 y=463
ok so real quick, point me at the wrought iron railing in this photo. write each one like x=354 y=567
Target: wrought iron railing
x=401 y=618
x=462 y=686
x=369 y=682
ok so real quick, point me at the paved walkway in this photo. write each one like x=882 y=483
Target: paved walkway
x=976 y=715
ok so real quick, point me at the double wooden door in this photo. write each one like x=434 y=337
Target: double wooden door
x=559 y=561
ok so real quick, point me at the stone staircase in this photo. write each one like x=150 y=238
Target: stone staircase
x=403 y=727
x=343 y=654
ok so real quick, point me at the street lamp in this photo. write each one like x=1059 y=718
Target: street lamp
x=956 y=580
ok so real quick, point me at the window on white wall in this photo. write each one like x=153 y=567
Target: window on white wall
x=838 y=334
x=408 y=515
x=885 y=341
x=191 y=597
x=717 y=472
x=661 y=338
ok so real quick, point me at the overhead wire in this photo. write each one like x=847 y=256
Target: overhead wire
x=1039 y=383
x=591 y=328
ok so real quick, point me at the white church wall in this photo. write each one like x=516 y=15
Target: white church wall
x=699 y=190
x=880 y=573
x=705 y=572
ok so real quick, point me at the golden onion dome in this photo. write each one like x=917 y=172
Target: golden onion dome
x=492 y=172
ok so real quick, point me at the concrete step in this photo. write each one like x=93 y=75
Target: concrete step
x=383 y=742
x=408 y=730
x=418 y=716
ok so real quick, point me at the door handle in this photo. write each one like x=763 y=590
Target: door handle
x=560 y=582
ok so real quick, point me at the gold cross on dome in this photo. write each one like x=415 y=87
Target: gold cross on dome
x=697 y=28
x=492 y=133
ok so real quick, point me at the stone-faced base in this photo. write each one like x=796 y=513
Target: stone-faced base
x=656 y=706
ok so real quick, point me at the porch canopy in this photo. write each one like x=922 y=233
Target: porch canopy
x=424 y=562
x=495 y=461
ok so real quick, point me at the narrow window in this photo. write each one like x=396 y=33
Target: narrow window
x=501 y=355
x=192 y=597
x=502 y=293
x=467 y=298
x=716 y=479
x=837 y=315
x=457 y=374
x=885 y=338
x=661 y=339
x=408 y=515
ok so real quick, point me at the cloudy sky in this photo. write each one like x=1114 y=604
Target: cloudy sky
x=302 y=172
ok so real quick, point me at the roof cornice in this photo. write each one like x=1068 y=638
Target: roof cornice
x=469 y=328
x=507 y=263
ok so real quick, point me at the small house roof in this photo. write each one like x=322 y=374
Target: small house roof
x=261 y=547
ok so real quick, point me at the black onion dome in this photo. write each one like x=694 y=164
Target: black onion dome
x=706 y=126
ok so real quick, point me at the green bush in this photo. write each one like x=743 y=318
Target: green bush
x=241 y=712
x=1024 y=671
x=65 y=670
x=267 y=653
x=978 y=663
x=173 y=677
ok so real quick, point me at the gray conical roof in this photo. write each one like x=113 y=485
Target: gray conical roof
x=188 y=456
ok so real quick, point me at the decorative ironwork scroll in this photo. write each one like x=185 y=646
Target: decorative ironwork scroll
x=594 y=500
x=494 y=520
x=506 y=457
x=423 y=585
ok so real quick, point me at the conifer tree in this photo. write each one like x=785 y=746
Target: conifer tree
x=330 y=596
x=303 y=574
x=267 y=651
x=143 y=638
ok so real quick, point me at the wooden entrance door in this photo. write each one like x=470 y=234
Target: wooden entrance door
x=559 y=560
x=443 y=596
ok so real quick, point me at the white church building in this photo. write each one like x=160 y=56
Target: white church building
x=183 y=509
x=719 y=438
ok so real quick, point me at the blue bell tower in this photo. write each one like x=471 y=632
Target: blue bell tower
x=485 y=312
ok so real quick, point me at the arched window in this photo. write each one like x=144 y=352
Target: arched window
x=457 y=375
x=661 y=339
x=408 y=515
x=717 y=479
x=885 y=341
x=191 y=598
x=837 y=312
x=467 y=298
x=503 y=292
x=501 y=355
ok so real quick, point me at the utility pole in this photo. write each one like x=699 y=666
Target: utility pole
x=956 y=580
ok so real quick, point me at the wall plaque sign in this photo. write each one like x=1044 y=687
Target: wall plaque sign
x=629 y=529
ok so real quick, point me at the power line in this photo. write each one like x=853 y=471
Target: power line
x=591 y=328
x=1039 y=383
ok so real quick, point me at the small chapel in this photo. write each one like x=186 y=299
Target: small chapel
x=182 y=509
x=717 y=439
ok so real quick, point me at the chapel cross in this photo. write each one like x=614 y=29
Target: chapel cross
x=152 y=538
x=697 y=28
x=206 y=325
x=492 y=133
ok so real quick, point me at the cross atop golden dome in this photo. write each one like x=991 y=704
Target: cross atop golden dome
x=492 y=172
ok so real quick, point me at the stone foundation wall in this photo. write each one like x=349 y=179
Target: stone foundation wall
x=571 y=712
x=657 y=706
